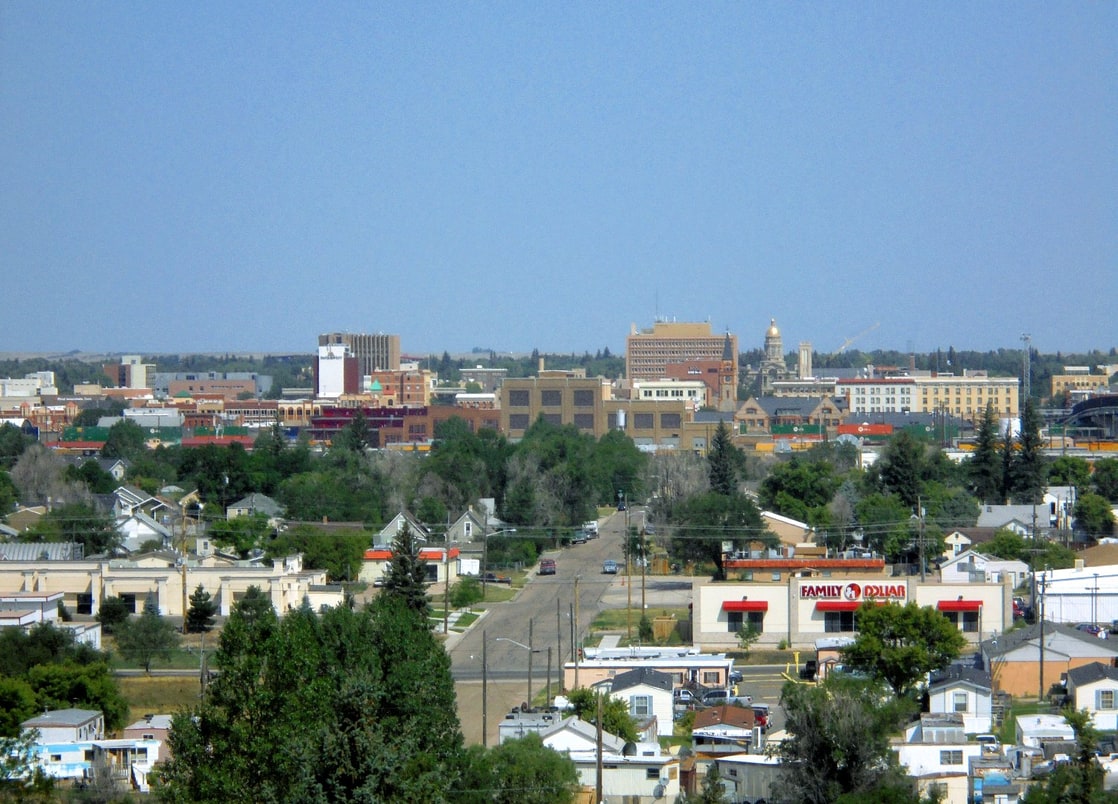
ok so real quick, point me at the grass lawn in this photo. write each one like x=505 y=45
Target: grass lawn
x=158 y=695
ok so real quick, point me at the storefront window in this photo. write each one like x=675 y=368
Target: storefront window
x=838 y=621
x=736 y=620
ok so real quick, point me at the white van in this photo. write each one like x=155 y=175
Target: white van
x=591 y=528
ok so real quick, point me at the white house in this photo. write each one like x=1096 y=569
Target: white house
x=1094 y=687
x=62 y=738
x=637 y=773
x=1033 y=730
x=935 y=750
x=648 y=694
x=971 y=566
x=137 y=527
x=966 y=692
x=750 y=777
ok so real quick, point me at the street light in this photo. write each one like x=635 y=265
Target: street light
x=531 y=651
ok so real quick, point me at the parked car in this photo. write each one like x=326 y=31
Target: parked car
x=684 y=697
x=580 y=537
x=1092 y=629
x=591 y=528
x=735 y=677
x=808 y=671
x=547 y=566
x=761 y=716
x=720 y=697
x=492 y=577
x=609 y=566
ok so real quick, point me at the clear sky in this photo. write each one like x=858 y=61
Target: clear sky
x=243 y=176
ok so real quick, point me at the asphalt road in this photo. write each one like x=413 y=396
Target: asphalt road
x=540 y=616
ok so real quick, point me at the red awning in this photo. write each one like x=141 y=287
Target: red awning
x=959 y=605
x=837 y=605
x=745 y=605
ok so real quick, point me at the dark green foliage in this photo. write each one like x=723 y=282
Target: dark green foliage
x=406 y=576
x=81 y=523
x=147 y=638
x=644 y=630
x=200 y=615
x=343 y=706
x=112 y=612
x=241 y=533
x=338 y=552
x=984 y=467
x=8 y=493
x=900 y=645
x=1068 y=470
x=1041 y=553
x=616 y=719
x=724 y=462
x=465 y=592
x=96 y=479
x=702 y=523
x=901 y=468
x=126 y=440
x=1081 y=780
x=17 y=704
x=43 y=644
x=345 y=493
x=1027 y=470
x=1105 y=478
x=355 y=437
x=522 y=771
x=838 y=741
x=799 y=488
x=12 y=444
x=88 y=686
x=886 y=523
x=1094 y=515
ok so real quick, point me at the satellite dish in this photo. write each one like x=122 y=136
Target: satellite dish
x=658 y=791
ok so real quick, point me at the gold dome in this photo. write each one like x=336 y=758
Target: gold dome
x=773 y=331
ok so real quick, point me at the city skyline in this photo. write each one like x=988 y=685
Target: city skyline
x=212 y=178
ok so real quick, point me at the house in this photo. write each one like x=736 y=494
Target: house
x=387 y=535
x=638 y=773
x=441 y=564
x=750 y=777
x=138 y=528
x=470 y=526
x=519 y=724
x=648 y=694
x=1014 y=657
x=963 y=691
x=128 y=499
x=151 y=727
x=1094 y=687
x=974 y=567
x=254 y=504
x=935 y=750
x=1035 y=730
x=725 y=729
x=1017 y=518
x=790 y=531
x=63 y=740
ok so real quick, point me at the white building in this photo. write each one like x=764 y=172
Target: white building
x=971 y=566
x=1094 y=687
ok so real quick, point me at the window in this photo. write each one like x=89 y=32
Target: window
x=960 y=702
x=88 y=757
x=652 y=773
x=736 y=620
x=838 y=621
x=56 y=757
x=583 y=399
x=970 y=622
x=1104 y=699
x=518 y=421
x=518 y=399
x=670 y=421
x=640 y=705
x=551 y=398
x=584 y=421
x=712 y=678
x=950 y=757
x=642 y=421
x=553 y=418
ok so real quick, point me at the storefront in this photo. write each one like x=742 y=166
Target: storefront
x=801 y=610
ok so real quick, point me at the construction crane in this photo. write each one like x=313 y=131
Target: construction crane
x=853 y=338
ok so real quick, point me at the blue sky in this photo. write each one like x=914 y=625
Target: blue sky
x=244 y=176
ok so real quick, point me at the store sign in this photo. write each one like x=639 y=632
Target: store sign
x=854 y=591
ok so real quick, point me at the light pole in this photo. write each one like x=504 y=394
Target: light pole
x=530 y=650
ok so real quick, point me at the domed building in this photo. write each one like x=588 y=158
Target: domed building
x=773 y=365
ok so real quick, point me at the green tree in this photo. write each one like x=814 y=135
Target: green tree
x=616 y=719
x=147 y=638
x=984 y=467
x=1080 y=780
x=355 y=436
x=96 y=479
x=111 y=613
x=125 y=440
x=900 y=645
x=466 y=592
x=799 y=488
x=885 y=522
x=8 y=493
x=241 y=533
x=711 y=791
x=17 y=704
x=69 y=684
x=703 y=523
x=902 y=464
x=200 y=615
x=747 y=635
x=1094 y=515
x=724 y=461
x=1027 y=466
x=21 y=776
x=320 y=708
x=406 y=575
x=1068 y=470
x=520 y=770
x=13 y=442
x=1105 y=478
x=838 y=741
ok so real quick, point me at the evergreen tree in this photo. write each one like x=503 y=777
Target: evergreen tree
x=147 y=638
x=1027 y=467
x=983 y=469
x=200 y=615
x=406 y=576
x=724 y=461
x=901 y=468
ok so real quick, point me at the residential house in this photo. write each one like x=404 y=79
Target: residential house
x=638 y=773
x=387 y=535
x=254 y=504
x=966 y=692
x=750 y=777
x=1094 y=687
x=517 y=724
x=1035 y=730
x=138 y=528
x=441 y=564
x=974 y=567
x=63 y=741
x=1018 y=518
x=725 y=729
x=128 y=499
x=935 y=751
x=648 y=694
x=469 y=527
x=1014 y=656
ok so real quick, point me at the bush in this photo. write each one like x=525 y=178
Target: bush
x=113 y=611
x=465 y=593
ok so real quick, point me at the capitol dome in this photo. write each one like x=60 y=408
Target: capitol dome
x=773 y=331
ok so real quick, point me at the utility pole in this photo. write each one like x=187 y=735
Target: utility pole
x=559 y=639
x=574 y=625
x=484 y=552
x=1040 y=614
x=920 y=507
x=531 y=624
x=484 y=691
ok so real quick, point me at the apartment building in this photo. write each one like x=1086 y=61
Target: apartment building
x=963 y=396
x=561 y=397
x=648 y=352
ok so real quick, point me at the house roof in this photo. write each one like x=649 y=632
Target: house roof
x=967 y=676
x=41 y=551
x=725 y=715
x=1090 y=673
x=611 y=743
x=996 y=516
x=56 y=718
x=258 y=503
x=1058 y=638
x=642 y=676
x=1101 y=555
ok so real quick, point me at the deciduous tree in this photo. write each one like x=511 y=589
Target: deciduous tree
x=147 y=638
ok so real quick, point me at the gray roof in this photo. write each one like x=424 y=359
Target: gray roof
x=645 y=676
x=995 y=516
x=259 y=503
x=61 y=717
x=41 y=551
x=1088 y=673
x=1011 y=640
x=797 y=405
x=962 y=675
